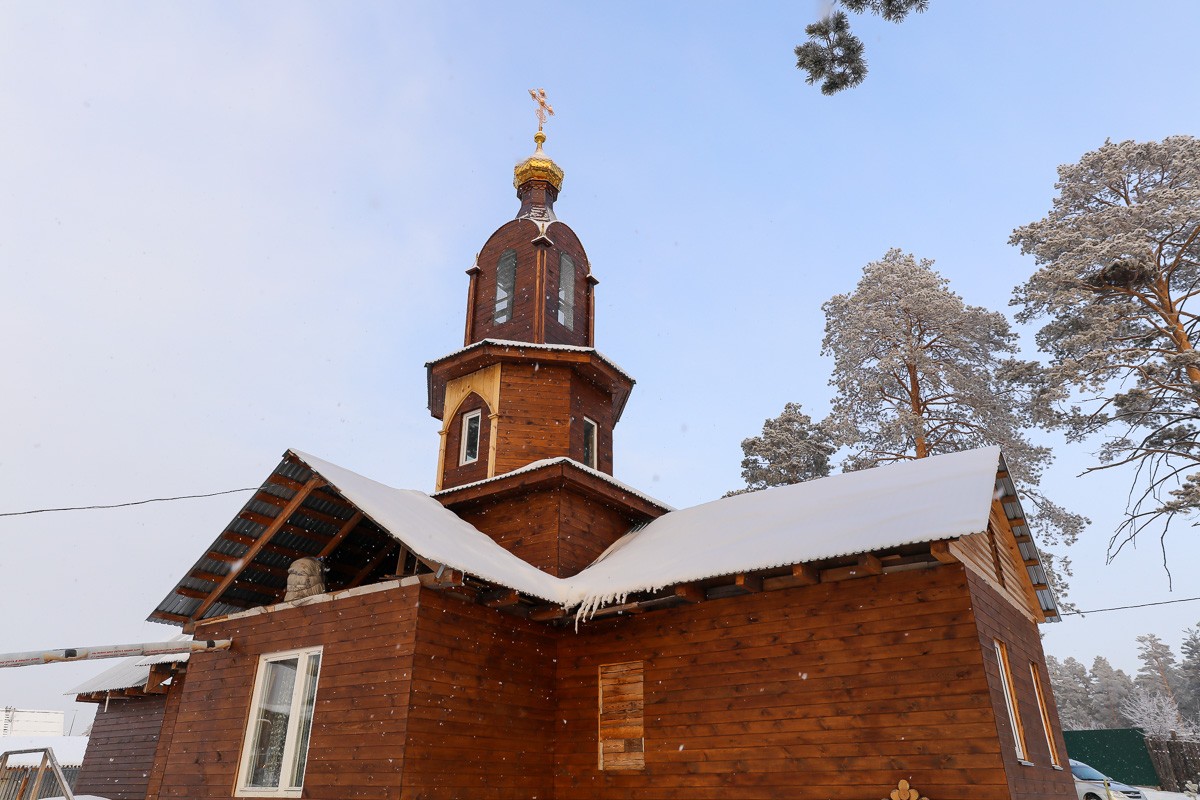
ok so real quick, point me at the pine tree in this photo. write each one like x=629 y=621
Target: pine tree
x=918 y=372
x=1072 y=693
x=790 y=449
x=1118 y=273
x=1189 y=674
x=1110 y=688
x=1159 y=672
x=833 y=55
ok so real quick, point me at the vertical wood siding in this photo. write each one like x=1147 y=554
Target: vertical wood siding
x=120 y=751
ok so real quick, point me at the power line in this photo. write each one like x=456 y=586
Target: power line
x=123 y=505
x=1123 y=608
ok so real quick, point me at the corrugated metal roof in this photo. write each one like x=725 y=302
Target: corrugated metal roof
x=1010 y=501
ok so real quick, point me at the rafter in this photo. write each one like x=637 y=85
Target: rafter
x=263 y=540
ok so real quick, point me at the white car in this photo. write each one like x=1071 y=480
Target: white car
x=1089 y=785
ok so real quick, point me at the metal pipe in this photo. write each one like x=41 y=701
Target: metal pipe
x=110 y=651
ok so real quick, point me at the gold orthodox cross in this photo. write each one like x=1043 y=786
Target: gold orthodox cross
x=544 y=108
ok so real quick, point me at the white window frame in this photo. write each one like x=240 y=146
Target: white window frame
x=477 y=415
x=591 y=434
x=291 y=750
x=1055 y=760
x=1010 y=698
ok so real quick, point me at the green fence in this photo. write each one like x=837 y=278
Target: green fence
x=1119 y=753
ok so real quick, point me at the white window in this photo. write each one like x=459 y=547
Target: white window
x=566 y=291
x=1046 y=726
x=281 y=713
x=1010 y=698
x=589 y=442
x=469 y=449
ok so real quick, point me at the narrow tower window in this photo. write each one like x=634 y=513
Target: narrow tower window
x=506 y=285
x=589 y=442
x=566 y=291
x=469 y=452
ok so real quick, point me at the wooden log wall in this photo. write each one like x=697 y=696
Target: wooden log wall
x=481 y=724
x=120 y=751
x=832 y=691
x=535 y=414
x=361 y=714
x=558 y=531
x=998 y=618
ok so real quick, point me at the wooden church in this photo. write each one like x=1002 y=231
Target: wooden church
x=537 y=630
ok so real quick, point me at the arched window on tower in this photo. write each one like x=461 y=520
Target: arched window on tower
x=506 y=286
x=566 y=291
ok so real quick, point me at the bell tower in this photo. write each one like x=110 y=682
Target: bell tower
x=528 y=395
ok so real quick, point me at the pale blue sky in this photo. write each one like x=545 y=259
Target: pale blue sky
x=229 y=229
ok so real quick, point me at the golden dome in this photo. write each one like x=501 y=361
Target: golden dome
x=538 y=166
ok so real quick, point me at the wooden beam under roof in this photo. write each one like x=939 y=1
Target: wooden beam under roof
x=342 y=533
x=263 y=540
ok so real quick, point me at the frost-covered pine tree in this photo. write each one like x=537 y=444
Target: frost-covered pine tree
x=790 y=449
x=1189 y=675
x=1160 y=669
x=1156 y=714
x=1072 y=693
x=1118 y=273
x=919 y=372
x=1110 y=688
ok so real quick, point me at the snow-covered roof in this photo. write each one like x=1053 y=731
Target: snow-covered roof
x=570 y=348
x=433 y=532
x=931 y=499
x=68 y=750
x=546 y=462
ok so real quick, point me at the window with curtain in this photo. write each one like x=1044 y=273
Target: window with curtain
x=281 y=713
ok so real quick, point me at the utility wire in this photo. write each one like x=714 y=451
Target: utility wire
x=1123 y=608
x=123 y=505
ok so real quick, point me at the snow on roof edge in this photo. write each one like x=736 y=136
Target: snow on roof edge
x=931 y=499
x=571 y=348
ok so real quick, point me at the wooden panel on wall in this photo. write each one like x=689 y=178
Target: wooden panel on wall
x=621 y=742
x=834 y=690
x=120 y=751
x=360 y=718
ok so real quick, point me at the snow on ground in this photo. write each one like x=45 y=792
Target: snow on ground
x=1155 y=794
